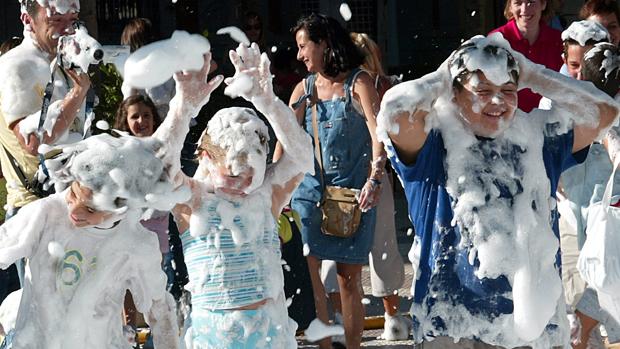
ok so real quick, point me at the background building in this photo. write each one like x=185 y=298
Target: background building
x=416 y=35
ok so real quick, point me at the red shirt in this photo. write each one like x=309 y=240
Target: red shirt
x=546 y=50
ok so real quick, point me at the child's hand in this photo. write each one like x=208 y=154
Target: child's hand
x=252 y=75
x=193 y=87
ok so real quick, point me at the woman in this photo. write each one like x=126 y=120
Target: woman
x=527 y=33
x=386 y=264
x=346 y=104
x=605 y=12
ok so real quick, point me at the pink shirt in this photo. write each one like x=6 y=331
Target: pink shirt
x=546 y=50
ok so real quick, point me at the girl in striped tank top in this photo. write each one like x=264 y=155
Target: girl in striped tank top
x=230 y=238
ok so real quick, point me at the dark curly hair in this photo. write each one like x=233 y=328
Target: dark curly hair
x=592 y=69
x=341 y=54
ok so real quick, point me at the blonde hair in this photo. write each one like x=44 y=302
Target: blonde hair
x=372 y=54
x=547 y=12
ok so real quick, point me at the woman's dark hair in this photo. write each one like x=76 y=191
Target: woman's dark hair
x=341 y=54
x=120 y=122
x=592 y=68
x=599 y=7
x=137 y=33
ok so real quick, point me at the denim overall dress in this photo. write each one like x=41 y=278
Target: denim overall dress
x=347 y=153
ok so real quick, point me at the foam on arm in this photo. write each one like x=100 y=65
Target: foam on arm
x=20 y=234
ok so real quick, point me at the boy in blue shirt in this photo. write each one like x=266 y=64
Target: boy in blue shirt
x=480 y=178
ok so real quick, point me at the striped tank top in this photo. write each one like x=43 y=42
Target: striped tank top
x=225 y=275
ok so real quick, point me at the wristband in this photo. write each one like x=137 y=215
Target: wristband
x=374 y=181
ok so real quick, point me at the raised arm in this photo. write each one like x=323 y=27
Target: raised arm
x=253 y=81
x=590 y=109
x=192 y=93
x=402 y=118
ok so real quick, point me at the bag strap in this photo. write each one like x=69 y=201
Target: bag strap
x=18 y=170
x=318 y=152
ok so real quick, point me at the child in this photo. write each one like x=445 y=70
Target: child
x=583 y=185
x=85 y=248
x=480 y=177
x=230 y=239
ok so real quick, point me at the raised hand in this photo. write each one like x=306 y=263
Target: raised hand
x=192 y=87
x=252 y=75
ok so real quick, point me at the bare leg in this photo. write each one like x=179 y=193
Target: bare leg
x=334 y=298
x=391 y=304
x=349 y=278
x=587 y=325
x=320 y=299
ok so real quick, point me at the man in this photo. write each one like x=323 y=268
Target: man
x=25 y=72
x=480 y=177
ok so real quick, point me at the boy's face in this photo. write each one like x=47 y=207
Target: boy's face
x=487 y=109
x=574 y=59
x=81 y=211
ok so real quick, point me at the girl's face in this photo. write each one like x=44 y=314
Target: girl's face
x=140 y=120
x=253 y=29
x=310 y=52
x=81 y=210
x=527 y=13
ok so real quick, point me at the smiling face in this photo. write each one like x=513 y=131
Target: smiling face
x=310 y=52
x=140 y=120
x=487 y=109
x=47 y=30
x=527 y=13
x=610 y=22
x=81 y=210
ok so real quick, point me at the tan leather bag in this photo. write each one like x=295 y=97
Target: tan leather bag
x=341 y=212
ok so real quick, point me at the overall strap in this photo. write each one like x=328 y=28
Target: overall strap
x=348 y=84
x=308 y=91
x=318 y=151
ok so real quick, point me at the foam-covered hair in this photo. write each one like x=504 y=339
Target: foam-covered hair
x=123 y=173
x=585 y=32
x=601 y=66
x=58 y=6
x=489 y=55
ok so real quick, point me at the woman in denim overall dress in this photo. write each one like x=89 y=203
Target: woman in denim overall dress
x=346 y=103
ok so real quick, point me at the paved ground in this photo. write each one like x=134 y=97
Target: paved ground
x=375 y=308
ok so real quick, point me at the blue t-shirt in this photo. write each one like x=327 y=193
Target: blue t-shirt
x=443 y=267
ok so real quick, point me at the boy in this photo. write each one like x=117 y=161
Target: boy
x=85 y=247
x=230 y=238
x=480 y=178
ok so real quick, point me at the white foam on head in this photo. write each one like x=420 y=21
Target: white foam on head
x=235 y=33
x=155 y=63
x=610 y=63
x=55 y=6
x=497 y=66
x=583 y=31
x=127 y=168
x=239 y=131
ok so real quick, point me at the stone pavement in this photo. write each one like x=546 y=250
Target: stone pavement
x=375 y=308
